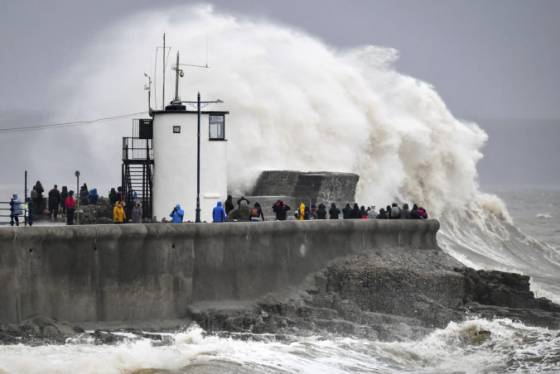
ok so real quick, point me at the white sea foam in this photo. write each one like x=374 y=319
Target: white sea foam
x=460 y=347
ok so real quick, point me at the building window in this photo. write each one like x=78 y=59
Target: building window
x=176 y=129
x=217 y=127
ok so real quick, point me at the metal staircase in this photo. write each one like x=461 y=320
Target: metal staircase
x=137 y=171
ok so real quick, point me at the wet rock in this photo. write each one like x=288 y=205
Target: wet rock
x=37 y=330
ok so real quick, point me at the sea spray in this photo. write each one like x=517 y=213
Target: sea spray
x=297 y=103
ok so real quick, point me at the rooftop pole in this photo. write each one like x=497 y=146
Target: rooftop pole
x=163 y=90
x=177 y=73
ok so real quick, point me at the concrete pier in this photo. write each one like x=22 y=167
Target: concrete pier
x=155 y=271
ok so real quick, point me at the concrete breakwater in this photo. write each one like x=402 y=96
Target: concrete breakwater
x=156 y=271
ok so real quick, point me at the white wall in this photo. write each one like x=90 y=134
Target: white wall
x=175 y=166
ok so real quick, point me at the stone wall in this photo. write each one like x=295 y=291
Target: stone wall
x=314 y=187
x=155 y=271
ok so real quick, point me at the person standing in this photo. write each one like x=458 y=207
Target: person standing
x=334 y=212
x=322 y=211
x=347 y=212
x=70 y=204
x=63 y=196
x=54 y=202
x=136 y=214
x=177 y=214
x=119 y=216
x=257 y=213
x=229 y=204
x=300 y=213
x=15 y=210
x=218 y=213
x=281 y=210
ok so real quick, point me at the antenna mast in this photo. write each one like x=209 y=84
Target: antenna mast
x=178 y=72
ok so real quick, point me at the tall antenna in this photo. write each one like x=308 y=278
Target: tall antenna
x=163 y=90
x=178 y=73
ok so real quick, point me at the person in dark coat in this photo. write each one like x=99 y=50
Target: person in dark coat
x=382 y=214
x=63 y=196
x=84 y=195
x=414 y=212
x=54 y=202
x=334 y=212
x=229 y=204
x=112 y=197
x=280 y=210
x=355 y=214
x=322 y=211
x=347 y=212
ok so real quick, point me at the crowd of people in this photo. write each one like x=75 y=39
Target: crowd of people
x=244 y=212
x=58 y=203
x=63 y=202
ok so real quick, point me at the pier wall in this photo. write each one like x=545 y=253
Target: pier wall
x=155 y=271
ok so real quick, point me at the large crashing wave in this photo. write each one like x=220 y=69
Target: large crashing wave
x=297 y=103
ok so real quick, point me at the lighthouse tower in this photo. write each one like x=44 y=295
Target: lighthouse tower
x=190 y=160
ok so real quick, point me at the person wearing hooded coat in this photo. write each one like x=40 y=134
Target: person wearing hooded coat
x=229 y=204
x=347 y=212
x=177 y=214
x=322 y=211
x=300 y=213
x=218 y=213
x=63 y=196
x=15 y=210
x=54 y=202
x=281 y=210
x=119 y=216
x=334 y=212
x=355 y=214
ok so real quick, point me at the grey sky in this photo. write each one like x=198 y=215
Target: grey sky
x=489 y=60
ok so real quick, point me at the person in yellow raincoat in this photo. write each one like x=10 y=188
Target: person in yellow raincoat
x=301 y=212
x=119 y=215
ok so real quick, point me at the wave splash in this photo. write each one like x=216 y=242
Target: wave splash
x=300 y=104
x=468 y=347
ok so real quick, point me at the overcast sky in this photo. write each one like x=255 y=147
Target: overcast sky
x=488 y=59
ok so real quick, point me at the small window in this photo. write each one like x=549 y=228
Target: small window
x=176 y=129
x=217 y=127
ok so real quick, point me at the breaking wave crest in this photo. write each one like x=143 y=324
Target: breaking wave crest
x=473 y=346
x=297 y=103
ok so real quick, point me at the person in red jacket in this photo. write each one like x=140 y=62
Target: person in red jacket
x=70 y=204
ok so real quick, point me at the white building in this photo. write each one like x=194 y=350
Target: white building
x=175 y=161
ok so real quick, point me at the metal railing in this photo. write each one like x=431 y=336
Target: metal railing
x=137 y=149
x=6 y=213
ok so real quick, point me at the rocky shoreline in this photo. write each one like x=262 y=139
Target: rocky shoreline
x=399 y=294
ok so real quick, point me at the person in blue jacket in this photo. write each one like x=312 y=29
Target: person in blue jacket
x=177 y=214
x=218 y=213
